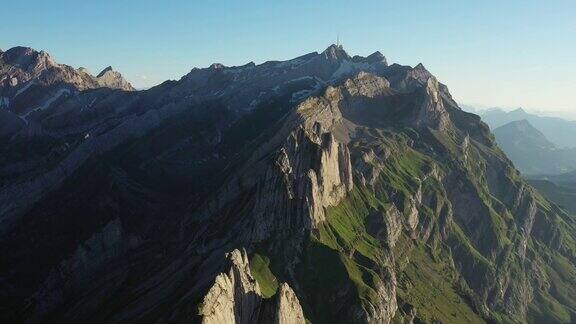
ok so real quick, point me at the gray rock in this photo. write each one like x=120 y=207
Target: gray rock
x=235 y=298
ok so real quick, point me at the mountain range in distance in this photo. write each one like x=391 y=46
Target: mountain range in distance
x=560 y=131
x=531 y=152
x=328 y=188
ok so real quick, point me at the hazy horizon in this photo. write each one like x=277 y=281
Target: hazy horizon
x=513 y=54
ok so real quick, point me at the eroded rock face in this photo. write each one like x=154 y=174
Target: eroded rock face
x=307 y=171
x=33 y=81
x=312 y=172
x=432 y=113
x=22 y=64
x=235 y=298
x=329 y=174
x=287 y=306
x=113 y=79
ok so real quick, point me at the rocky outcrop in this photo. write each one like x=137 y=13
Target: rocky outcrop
x=113 y=79
x=30 y=78
x=235 y=298
x=329 y=180
x=287 y=309
x=432 y=113
x=366 y=85
x=312 y=171
x=298 y=173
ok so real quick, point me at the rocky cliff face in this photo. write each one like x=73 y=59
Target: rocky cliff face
x=113 y=79
x=347 y=190
x=235 y=298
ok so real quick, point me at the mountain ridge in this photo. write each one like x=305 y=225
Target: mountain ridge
x=346 y=190
x=531 y=151
x=31 y=80
x=558 y=130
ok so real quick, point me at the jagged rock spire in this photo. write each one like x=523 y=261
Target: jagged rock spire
x=235 y=297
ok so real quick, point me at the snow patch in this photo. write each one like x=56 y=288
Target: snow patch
x=349 y=67
x=23 y=89
x=303 y=94
x=48 y=102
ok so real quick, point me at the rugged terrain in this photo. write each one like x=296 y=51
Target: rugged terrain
x=32 y=81
x=327 y=188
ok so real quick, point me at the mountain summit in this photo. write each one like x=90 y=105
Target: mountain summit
x=532 y=152
x=522 y=133
x=559 y=131
x=336 y=52
x=113 y=79
x=30 y=80
x=322 y=189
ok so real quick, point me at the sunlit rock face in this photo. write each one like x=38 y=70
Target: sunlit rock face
x=235 y=298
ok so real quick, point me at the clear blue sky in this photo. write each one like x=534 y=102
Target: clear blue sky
x=507 y=53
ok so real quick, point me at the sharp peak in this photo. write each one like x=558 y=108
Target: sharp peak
x=335 y=52
x=376 y=54
x=334 y=46
x=107 y=69
x=519 y=110
x=420 y=66
x=520 y=122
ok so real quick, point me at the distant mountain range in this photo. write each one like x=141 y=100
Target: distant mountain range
x=559 y=131
x=531 y=152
